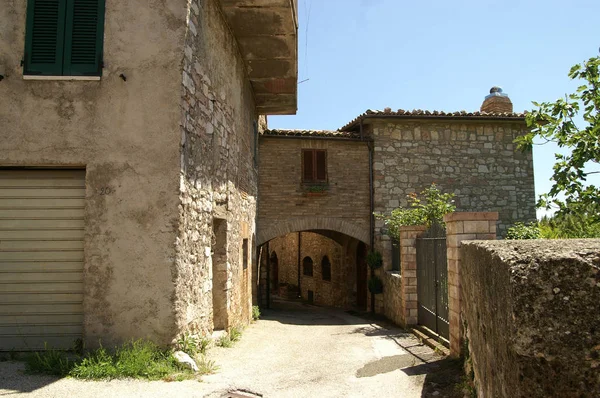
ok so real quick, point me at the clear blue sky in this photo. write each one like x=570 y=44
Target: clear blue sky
x=437 y=55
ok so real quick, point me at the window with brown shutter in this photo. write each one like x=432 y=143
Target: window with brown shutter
x=314 y=165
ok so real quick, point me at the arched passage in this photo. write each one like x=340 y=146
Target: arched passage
x=273 y=230
x=319 y=266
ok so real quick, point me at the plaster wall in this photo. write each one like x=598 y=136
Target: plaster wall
x=126 y=135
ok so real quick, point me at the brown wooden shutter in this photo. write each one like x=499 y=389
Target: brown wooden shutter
x=307 y=165
x=321 y=163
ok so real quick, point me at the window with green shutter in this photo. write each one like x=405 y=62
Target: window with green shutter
x=64 y=37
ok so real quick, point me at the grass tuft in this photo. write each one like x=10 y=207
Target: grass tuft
x=224 y=341
x=192 y=344
x=255 y=312
x=206 y=366
x=49 y=361
x=139 y=359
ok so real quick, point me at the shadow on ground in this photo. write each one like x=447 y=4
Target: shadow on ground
x=14 y=380
x=443 y=378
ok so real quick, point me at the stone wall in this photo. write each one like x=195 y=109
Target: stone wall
x=218 y=172
x=392 y=297
x=475 y=160
x=335 y=293
x=531 y=315
x=126 y=135
x=285 y=205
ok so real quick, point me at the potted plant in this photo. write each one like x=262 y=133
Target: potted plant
x=316 y=190
x=374 y=260
x=375 y=285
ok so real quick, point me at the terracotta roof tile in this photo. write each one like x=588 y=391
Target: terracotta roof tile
x=311 y=133
x=418 y=113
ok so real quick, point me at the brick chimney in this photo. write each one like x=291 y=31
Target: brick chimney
x=497 y=102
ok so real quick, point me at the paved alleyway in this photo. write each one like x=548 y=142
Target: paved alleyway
x=302 y=351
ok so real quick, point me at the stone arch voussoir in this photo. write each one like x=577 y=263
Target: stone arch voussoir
x=269 y=230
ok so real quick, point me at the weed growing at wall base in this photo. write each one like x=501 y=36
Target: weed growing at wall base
x=140 y=359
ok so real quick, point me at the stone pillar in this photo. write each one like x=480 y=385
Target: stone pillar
x=408 y=271
x=462 y=226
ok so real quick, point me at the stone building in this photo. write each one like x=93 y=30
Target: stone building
x=128 y=166
x=317 y=182
x=470 y=154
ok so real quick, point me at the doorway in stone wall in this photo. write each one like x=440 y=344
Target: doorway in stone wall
x=219 y=274
x=361 y=276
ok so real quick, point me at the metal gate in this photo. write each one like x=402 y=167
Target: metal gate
x=432 y=280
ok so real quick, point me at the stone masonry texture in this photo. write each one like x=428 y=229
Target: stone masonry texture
x=475 y=160
x=336 y=292
x=286 y=205
x=218 y=178
x=531 y=316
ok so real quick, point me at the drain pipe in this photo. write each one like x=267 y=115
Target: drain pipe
x=372 y=208
x=268 y=277
x=299 y=265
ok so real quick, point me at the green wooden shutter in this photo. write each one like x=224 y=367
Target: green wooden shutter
x=84 y=38
x=44 y=37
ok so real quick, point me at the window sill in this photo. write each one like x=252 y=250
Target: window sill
x=311 y=194
x=61 y=78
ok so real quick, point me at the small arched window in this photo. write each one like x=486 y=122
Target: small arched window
x=326 y=269
x=307 y=266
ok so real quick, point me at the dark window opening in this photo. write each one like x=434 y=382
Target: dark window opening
x=314 y=165
x=395 y=255
x=307 y=266
x=64 y=37
x=245 y=253
x=326 y=269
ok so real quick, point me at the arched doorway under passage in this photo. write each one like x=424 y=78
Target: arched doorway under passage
x=320 y=266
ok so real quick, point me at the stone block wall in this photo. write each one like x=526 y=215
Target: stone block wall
x=531 y=316
x=285 y=205
x=218 y=178
x=475 y=160
x=392 y=297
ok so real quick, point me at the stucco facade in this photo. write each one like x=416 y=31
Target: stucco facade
x=167 y=139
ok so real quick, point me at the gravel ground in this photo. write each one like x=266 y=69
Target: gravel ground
x=300 y=351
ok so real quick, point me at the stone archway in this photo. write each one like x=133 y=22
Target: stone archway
x=273 y=230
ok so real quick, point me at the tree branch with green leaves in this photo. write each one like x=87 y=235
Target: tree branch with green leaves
x=555 y=122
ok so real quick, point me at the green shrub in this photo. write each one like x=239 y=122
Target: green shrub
x=426 y=208
x=255 y=312
x=374 y=259
x=375 y=285
x=523 y=231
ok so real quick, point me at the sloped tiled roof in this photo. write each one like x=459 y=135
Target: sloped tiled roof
x=418 y=113
x=311 y=133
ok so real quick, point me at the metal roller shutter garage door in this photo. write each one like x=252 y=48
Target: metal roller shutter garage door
x=41 y=258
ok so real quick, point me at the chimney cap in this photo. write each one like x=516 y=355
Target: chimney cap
x=496 y=91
